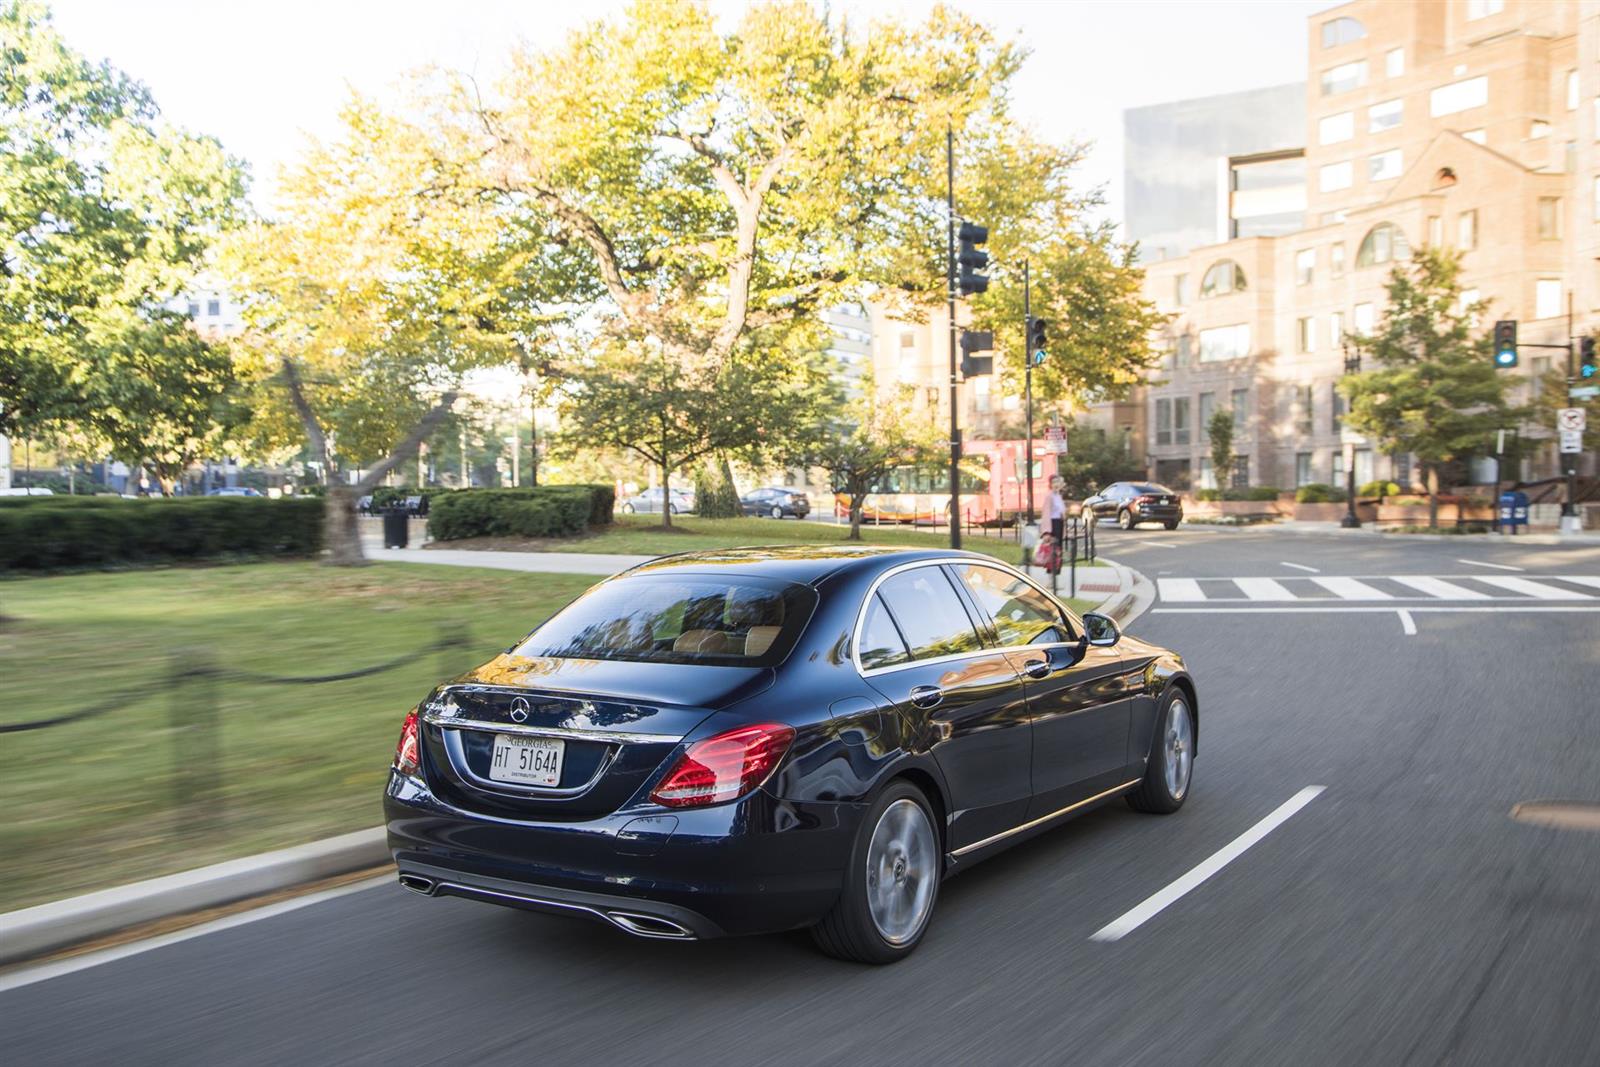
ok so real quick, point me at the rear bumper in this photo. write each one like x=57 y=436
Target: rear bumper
x=1157 y=512
x=756 y=865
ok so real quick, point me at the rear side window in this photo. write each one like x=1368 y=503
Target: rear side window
x=881 y=643
x=929 y=613
x=1020 y=613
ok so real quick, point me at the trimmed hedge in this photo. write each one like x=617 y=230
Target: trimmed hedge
x=107 y=531
x=542 y=511
x=1318 y=493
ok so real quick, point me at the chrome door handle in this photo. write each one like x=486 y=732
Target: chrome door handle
x=927 y=696
x=1037 y=668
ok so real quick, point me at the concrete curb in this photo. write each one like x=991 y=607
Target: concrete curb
x=1134 y=595
x=35 y=931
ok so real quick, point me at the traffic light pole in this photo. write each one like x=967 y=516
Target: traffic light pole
x=1027 y=383
x=950 y=272
x=1569 y=511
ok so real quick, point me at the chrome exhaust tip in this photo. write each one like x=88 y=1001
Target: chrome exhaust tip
x=649 y=926
x=418 y=884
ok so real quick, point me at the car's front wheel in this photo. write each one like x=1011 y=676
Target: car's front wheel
x=776 y=512
x=627 y=509
x=891 y=882
x=672 y=508
x=1170 y=768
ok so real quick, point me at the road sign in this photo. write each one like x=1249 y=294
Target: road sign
x=1055 y=439
x=1584 y=392
x=1571 y=419
x=1571 y=440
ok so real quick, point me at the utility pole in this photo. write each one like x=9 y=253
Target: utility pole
x=1027 y=381
x=950 y=293
x=1569 y=511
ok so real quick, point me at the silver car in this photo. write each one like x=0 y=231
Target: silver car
x=649 y=502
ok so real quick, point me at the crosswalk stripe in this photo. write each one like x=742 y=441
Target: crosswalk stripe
x=1180 y=589
x=1527 y=587
x=1350 y=589
x=1582 y=579
x=1263 y=589
x=1439 y=587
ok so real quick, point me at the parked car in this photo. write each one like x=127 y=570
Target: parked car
x=649 y=502
x=1131 y=503
x=752 y=740
x=37 y=490
x=775 y=503
x=233 y=490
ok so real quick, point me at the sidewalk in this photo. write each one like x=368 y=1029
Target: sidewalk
x=549 y=562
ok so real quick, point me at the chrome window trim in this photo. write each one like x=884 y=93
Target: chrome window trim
x=433 y=717
x=1030 y=824
x=944 y=561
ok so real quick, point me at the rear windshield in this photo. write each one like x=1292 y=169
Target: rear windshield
x=748 y=622
x=1157 y=489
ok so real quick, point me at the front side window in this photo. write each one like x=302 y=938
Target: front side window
x=1021 y=615
x=929 y=614
x=663 y=618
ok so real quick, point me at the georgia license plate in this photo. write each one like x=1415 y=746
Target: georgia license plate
x=526 y=760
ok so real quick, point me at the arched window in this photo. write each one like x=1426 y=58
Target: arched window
x=1342 y=30
x=1384 y=242
x=1221 y=278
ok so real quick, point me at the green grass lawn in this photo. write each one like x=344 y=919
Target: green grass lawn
x=89 y=804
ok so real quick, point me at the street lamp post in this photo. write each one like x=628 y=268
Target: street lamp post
x=1351 y=521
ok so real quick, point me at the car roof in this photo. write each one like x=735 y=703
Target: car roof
x=806 y=564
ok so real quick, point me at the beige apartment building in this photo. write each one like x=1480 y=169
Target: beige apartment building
x=1470 y=124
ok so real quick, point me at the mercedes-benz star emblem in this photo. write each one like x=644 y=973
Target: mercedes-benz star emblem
x=519 y=710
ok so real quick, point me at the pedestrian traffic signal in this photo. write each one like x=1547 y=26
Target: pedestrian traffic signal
x=1505 y=343
x=973 y=341
x=972 y=259
x=1587 y=368
x=1036 y=340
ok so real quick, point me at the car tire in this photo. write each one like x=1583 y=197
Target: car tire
x=897 y=837
x=627 y=509
x=673 y=508
x=1169 y=771
x=1171 y=524
x=776 y=512
x=1125 y=520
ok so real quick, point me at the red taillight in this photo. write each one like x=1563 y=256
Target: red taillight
x=724 y=767
x=405 y=753
x=1148 y=499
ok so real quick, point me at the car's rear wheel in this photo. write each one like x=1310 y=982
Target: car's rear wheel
x=776 y=512
x=891 y=882
x=672 y=508
x=1171 y=524
x=1170 y=769
x=1125 y=519
x=627 y=509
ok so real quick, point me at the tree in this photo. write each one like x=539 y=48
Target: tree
x=869 y=437
x=1435 y=392
x=1220 y=430
x=106 y=215
x=1093 y=459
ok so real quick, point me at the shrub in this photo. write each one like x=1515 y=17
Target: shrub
x=108 y=531
x=1318 y=493
x=541 y=511
x=1208 y=494
x=1379 y=488
x=1255 y=493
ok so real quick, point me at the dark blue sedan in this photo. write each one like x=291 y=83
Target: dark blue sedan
x=755 y=740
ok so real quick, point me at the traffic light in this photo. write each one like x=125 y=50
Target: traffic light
x=1505 y=343
x=1036 y=341
x=973 y=341
x=972 y=259
x=1588 y=370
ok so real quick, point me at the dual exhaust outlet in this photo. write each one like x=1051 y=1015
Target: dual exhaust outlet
x=635 y=923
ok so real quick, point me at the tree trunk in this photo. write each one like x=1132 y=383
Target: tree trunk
x=1431 y=474
x=856 y=501
x=666 y=497
x=341 y=530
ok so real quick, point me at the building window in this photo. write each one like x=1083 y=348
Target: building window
x=1241 y=472
x=213 y=308
x=1163 y=421
x=1336 y=259
x=1180 y=420
x=1467 y=230
x=194 y=310
x=1336 y=128
x=1547 y=298
x=1224 y=342
x=1384 y=116
x=1459 y=96
x=1334 y=176
x=1478 y=9
x=1384 y=242
x=1208 y=404
x=1305 y=413
x=1468 y=305
x=908 y=339
x=1305 y=263
x=1185 y=349
x=1435 y=231
x=1394 y=62
x=1336 y=329
x=1549 y=218
x=1221 y=278
x=1336 y=408
x=1304 y=340
x=1572 y=90
x=1302 y=469
x=1342 y=30
x=1180 y=290
x=1344 y=77
x=1239 y=401
x=1338 y=468
x=1384 y=166
x=1364 y=320
x=1475 y=136
x=1569 y=157
x=1208 y=479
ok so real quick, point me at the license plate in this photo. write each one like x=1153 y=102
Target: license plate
x=526 y=760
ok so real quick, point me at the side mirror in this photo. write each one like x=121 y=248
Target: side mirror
x=1100 y=630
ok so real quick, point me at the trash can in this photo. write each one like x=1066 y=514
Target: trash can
x=395 y=523
x=1513 y=510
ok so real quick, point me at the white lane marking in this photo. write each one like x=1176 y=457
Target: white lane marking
x=1129 y=921
x=1263 y=589
x=1158 y=544
x=1537 y=590
x=1407 y=623
x=1180 y=589
x=1582 y=579
x=1496 y=566
x=28 y=974
x=1439 y=587
x=1300 y=567
x=1350 y=589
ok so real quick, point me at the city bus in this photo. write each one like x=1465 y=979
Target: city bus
x=993 y=490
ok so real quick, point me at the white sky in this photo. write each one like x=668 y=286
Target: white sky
x=259 y=75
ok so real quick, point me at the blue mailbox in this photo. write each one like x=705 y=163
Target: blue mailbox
x=1513 y=510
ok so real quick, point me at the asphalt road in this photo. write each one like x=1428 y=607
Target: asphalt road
x=1399 y=917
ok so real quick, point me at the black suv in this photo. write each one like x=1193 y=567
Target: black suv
x=1131 y=503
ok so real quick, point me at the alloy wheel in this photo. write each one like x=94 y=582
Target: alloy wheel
x=902 y=872
x=1177 y=748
